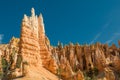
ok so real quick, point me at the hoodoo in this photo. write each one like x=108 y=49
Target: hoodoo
x=31 y=57
x=34 y=44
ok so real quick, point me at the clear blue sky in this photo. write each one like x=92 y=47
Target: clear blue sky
x=83 y=21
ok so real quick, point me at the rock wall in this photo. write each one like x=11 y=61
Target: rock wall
x=34 y=44
x=45 y=50
x=29 y=45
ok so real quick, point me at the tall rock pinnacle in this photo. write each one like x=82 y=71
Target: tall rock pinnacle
x=29 y=41
x=33 y=12
x=40 y=21
x=34 y=44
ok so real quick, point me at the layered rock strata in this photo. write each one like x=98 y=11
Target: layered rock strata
x=34 y=44
x=32 y=57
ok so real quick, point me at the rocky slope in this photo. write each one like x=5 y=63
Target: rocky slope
x=31 y=57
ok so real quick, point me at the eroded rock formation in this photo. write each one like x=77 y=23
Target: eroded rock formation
x=93 y=60
x=34 y=44
x=33 y=58
x=33 y=51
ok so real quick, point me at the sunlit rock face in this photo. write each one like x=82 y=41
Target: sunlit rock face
x=34 y=44
x=29 y=41
x=93 y=60
x=8 y=58
x=33 y=58
x=45 y=49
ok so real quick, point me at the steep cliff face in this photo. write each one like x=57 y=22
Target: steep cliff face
x=29 y=41
x=34 y=45
x=45 y=50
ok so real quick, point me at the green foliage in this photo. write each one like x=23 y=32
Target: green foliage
x=91 y=74
x=13 y=53
x=59 y=71
x=118 y=74
x=75 y=68
x=1 y=74
x=4 y=63
x=25 y=62
x=86 y=76
x=95 y=71
x=19 y=60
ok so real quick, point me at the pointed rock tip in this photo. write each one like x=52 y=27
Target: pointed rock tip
x=41 y=17
x=13 y=37
x=33 y=11
x=25 y=18
x=25 y=15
